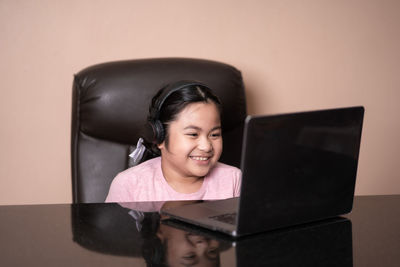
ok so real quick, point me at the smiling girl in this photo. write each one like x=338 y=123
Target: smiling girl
x=186 y=125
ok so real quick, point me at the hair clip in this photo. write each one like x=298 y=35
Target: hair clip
x=137 y=154
x=138 y=216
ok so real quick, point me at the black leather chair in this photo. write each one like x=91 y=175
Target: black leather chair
x=110 y=106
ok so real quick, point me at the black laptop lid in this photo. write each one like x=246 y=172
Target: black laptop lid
x=305 y=162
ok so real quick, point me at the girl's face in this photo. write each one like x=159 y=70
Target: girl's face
x=188 y=249
x=194 y=142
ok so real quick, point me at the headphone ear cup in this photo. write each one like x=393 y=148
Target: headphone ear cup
x=158 y=131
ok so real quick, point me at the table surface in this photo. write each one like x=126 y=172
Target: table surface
x=117 y=235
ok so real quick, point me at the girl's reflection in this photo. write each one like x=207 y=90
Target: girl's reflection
x=187 y=249
x=165 y=245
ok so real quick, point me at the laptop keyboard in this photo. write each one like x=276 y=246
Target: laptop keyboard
x=226 y=218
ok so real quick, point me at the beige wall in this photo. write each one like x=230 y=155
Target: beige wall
x=294 y=55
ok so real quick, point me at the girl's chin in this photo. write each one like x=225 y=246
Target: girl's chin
x=201 y=171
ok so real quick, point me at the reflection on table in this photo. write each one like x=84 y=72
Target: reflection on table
x=134 y=234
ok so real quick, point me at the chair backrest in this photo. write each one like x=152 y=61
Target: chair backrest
x=110 y=107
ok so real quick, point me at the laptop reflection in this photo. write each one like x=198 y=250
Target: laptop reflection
x=324 y=243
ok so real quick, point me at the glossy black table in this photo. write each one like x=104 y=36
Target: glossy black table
x=119 y=235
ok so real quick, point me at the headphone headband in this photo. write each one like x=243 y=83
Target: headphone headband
x=170 y=89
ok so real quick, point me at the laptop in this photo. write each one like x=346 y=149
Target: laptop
x=296 y=168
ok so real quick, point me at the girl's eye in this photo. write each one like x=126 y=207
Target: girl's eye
x=192 y=134
x=215 y=135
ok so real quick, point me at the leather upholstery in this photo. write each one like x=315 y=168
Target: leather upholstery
x=109 y=111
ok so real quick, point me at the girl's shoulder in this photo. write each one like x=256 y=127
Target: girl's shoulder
x=223 y=170
x=144 y=169
x=224 y=181
x=129 y=184
x=147 y=165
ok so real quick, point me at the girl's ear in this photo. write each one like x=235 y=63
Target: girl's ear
x=161 y=146
x=160 y=234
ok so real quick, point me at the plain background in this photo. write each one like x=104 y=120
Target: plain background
x=294 y=55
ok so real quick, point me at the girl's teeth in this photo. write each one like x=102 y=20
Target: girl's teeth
x=199 y=158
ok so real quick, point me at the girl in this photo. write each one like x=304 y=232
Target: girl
x=186 y=128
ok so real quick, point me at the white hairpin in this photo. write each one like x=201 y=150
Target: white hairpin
x=137 y=154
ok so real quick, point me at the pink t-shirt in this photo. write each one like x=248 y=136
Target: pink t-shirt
x=145 y=182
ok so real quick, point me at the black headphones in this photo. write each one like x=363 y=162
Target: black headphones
x=154 y=118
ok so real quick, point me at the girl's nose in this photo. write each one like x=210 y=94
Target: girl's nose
x=205 y=144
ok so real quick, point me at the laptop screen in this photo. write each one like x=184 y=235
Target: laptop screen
x=300 y=166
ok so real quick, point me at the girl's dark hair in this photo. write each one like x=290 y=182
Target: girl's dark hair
x=153 y=251
x=171 y=105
